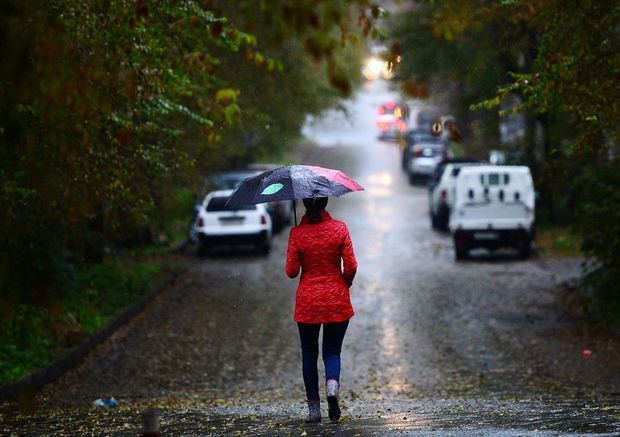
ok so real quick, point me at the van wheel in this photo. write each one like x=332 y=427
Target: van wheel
x=461 y=249
x=461 y=254
x=524 y=252
x=203 y=250
x=443 y=224
x=264 y=247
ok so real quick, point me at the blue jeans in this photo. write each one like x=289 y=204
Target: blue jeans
x=333 y=335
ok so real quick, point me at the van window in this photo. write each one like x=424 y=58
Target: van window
x=495 y=179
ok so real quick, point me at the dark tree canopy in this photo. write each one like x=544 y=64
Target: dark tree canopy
x=108 y=106
x=558 y=64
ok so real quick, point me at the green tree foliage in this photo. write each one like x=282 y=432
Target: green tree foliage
x=561 y=60
x=106 y=106
x=93 y=98
x=309 y=50
x=598 y=221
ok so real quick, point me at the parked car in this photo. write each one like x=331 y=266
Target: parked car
x=281 y=212
x=219 y=224
x=441 y=190
x=426 y=117
x=493 y=208
x=425 y=157
x=413 y=137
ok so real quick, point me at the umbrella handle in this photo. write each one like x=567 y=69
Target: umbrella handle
x=295 y=211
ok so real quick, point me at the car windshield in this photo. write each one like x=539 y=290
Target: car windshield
x=426 y=118
x=421 y=137
x=218 y=204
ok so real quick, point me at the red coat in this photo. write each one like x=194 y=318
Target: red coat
x=317 y=249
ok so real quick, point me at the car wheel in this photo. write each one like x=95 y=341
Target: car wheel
x=203 y=250
x=442 y=224
x=433 y=221
x=412 y=179
x=264 y=247
x=461 y=249
x=525 y=251
x=461 y=254
x=443 y=217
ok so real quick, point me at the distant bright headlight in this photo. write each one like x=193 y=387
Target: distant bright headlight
x=373 y=68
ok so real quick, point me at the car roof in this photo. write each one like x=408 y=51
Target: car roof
x=461 y=164
x=219 y=193
x=434 y=144
x=226 y=193
x=496 y=169
x=424 y=134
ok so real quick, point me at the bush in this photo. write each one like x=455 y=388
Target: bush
x=37 y=333
x=598 y=221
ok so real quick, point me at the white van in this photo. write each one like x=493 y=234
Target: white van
x=441 y=195
x=493 y=208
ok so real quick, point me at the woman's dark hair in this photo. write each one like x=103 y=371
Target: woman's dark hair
x=314 y=206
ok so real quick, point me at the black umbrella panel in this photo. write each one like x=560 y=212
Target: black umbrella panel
x=293 y=182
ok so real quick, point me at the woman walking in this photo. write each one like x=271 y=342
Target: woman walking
x=321 y=247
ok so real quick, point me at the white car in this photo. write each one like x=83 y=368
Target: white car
x=441 y=197
x=424 y=159
x=281 y=212
x=493 y=208
x=219 y=224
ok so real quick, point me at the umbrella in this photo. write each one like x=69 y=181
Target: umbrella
x=292 y=182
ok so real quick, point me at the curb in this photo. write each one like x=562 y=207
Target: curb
x=70 y=359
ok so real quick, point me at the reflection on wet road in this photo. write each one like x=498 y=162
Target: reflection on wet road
x=479 y=347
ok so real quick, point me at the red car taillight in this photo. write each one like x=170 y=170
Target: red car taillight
x=263 y=220
x=443 y=194
x=200 y=222
x=417 y=152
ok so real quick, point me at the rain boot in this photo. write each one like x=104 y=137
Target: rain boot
x=314 y=412
x=333 y=388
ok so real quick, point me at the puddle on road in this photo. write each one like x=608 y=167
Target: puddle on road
x=458 y=417
x=380 y=185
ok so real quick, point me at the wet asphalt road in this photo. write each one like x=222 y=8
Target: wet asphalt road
x=469 y=348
